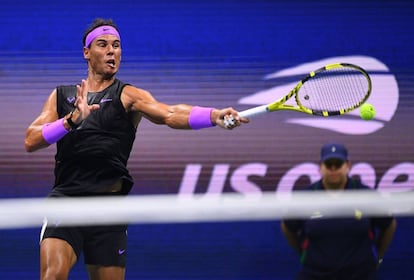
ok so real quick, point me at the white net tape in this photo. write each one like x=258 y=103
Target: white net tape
x=30 y=212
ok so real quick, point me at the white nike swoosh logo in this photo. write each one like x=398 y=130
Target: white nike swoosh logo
x=384 y=96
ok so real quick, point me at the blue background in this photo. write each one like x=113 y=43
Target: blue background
x=211 y=53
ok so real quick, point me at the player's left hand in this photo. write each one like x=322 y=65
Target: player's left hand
x=82 y=108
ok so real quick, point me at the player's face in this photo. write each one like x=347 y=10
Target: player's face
x=104 y=55
x=334 y=173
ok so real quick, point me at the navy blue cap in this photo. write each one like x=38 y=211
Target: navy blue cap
x=334 y=150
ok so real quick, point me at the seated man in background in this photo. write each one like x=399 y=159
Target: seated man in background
x=339 y=248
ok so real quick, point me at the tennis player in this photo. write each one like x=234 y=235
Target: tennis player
x=339 y=248
x=94 y=126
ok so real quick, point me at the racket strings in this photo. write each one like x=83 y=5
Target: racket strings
x=332 y=90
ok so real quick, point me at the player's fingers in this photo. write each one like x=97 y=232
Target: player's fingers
x=81 y=95
x=93 y=107
x=244 y=120
x=231 y=121
x=78 y=94
x=84 y=89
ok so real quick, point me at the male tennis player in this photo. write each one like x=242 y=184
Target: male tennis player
x=94 y=126
x=339 y=248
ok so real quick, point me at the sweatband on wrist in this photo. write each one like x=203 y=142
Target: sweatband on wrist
x=53 y=132
x=200 y=117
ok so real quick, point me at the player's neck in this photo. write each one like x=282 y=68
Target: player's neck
x=97 y=83
x=333 y=186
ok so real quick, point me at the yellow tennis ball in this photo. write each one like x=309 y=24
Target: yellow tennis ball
x=367 y=111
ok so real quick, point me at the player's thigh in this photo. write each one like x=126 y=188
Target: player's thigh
x=56 y=256
x=97 y=272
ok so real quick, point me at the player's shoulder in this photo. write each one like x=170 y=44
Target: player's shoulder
x=133 y=88
x=66 y=89
x=356 y=184
x=67 y=86
x=134 y=93
x=315 y=186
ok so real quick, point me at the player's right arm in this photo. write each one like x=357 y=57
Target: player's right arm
x=34 y=139
x=175 y=116
x=291 y=237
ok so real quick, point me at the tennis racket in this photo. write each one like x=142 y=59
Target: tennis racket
x=332 y=90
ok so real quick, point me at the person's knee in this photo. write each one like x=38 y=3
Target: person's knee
x=56 y=259
x=53 y=273
x=105 y=272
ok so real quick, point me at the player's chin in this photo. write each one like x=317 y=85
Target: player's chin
x=109 y=73
x=334 y=180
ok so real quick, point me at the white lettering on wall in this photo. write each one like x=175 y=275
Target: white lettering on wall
x=398 y=178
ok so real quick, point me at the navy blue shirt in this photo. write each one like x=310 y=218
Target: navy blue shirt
x=338 y=248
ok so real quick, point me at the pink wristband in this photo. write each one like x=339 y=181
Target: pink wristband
x=53 y=132
x=200 y=117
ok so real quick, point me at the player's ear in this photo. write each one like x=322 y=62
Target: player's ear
x=86 y=53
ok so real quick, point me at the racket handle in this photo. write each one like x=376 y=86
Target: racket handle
x=252 y=112
x=247 y=114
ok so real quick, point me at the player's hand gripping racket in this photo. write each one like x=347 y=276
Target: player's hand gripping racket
x=332 y=90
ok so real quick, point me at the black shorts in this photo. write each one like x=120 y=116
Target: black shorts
x=101 y=245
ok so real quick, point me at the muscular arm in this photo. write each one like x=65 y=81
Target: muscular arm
x=34 y=139
x=175 y=116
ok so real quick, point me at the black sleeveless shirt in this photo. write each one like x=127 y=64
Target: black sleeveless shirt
x=94 y=156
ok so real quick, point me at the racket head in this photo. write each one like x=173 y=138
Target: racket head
x=334 y=89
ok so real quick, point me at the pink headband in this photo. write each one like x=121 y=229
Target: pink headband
x=99 y=31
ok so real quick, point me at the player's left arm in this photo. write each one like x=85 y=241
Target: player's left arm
x=175 y=116
x=385 y=237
